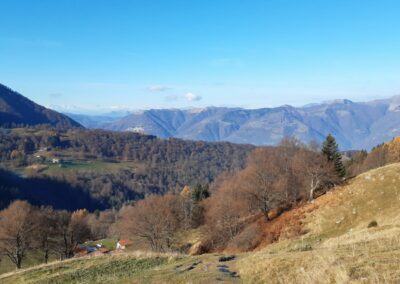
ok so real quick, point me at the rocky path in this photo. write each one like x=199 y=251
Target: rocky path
x=218 y=267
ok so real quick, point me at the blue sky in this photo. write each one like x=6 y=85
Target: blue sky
x=98 y=54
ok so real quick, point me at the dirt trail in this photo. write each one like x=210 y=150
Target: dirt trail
x=218 y=266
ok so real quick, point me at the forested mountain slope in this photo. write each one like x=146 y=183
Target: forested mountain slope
x=17 y=110
x=112 y=167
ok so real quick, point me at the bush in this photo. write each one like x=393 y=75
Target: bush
x=248 y=239
x=373 y=224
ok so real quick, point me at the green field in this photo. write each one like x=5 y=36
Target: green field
x=95 y=165
x=110 y=244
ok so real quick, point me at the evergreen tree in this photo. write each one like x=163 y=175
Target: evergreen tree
x=200 y=192
x=331 y=150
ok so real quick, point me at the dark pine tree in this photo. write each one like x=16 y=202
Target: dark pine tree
x=200 y=192
x=331 y=150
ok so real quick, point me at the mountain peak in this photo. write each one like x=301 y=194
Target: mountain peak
x=17 y=110
x=339 y=101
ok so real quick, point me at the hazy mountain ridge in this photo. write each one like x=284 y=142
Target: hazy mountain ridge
x=16 y=109
x=356 y=125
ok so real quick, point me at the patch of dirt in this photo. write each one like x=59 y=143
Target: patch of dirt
x=291 y=224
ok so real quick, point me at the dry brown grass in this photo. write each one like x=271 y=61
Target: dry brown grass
x=338 y=248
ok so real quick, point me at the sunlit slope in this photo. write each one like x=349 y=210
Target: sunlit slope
x=372 y=196
x=337 y=248
x=342 y=245
x=128 y=268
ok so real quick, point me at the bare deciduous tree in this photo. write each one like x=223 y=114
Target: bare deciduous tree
x=17 y=224
x=263 y=181
x=155 y=220
x=46 y=233
x=73 y=229
x=225 y=210
x=100 y=223
x=314 y=169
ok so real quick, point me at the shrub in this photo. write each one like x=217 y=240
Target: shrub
x=248 y=239
x=373 y=224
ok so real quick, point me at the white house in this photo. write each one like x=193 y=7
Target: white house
x=122 y=244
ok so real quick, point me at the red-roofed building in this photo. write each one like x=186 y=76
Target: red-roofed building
x=122 y=244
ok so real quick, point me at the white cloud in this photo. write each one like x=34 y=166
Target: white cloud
x=192 y=97
x=158 y=88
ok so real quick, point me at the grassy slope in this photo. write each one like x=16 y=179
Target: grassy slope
x=107 y=243
x=99 y=166
x=73 y=162
x=338 y=248
x=125 y=268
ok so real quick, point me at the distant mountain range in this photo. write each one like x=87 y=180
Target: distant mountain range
x=17 y=110
x=356 y=125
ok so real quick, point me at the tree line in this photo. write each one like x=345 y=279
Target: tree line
x=50 y=233
x=380 y=155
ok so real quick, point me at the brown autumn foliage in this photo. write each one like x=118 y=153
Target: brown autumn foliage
x=67 y=232
x=313 y=171
x=153 y=220
x=76 y=232
x=275 y=179
x=224 y=212
x=187 y=207
x=379 y=156
x=243 y=211
x=25 y=228
x=393 y=150
x=46 y=232
x=248 y=239
x=262 y=184
x=16 y=231
x=161 y=165
x=355 y=164
x=101 y=223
